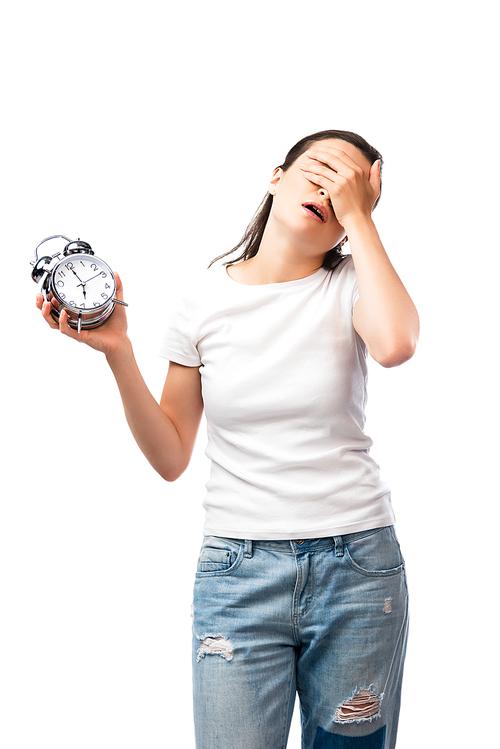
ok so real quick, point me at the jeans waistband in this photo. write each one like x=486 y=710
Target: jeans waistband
x=293 y=546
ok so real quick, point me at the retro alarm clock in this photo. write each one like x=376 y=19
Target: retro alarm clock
x=78 y=281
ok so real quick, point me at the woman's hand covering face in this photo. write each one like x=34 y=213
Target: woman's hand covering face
x=352 y=188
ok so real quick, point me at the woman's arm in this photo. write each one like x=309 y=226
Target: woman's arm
x=384 y=315
x=165 y=432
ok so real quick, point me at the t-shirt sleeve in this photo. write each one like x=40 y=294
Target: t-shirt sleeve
x=178 y=343
x=350 y=283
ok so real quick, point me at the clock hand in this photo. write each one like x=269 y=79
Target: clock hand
x=76 y=274
x=91 y=279
x=83 y=289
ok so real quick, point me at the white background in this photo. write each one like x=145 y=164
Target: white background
x=150 y=130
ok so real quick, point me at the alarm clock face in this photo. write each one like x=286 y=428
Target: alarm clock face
x=83 y=282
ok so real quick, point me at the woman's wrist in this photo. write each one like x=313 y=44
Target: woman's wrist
x=121 y=354
x=359 y=224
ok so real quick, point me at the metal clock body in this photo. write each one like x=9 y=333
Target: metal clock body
x=79 y=282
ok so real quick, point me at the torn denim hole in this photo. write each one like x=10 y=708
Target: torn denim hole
x=214 y=645
x=388 y=606
x=364 y=705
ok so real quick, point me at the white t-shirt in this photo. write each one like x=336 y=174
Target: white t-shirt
x=284 y=387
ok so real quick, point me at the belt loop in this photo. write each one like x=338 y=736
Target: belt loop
x=339 y=546
x=248 y=549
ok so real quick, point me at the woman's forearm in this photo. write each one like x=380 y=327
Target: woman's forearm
x=384 y=315
x=152 y=429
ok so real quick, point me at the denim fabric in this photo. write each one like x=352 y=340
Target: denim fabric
x=326 y=618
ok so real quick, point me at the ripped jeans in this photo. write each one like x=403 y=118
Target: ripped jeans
x=325 y=618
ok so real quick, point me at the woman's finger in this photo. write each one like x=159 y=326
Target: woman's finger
x=46 y=309
x=321 y=175
x=119 y=286
x=336 y=159
x=374 y=178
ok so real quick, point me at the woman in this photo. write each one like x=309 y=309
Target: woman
x=300 y=585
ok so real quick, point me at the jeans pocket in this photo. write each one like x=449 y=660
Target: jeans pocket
x=375 y=554
x=219 y=556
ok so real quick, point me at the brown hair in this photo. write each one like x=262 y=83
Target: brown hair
x=251 y=239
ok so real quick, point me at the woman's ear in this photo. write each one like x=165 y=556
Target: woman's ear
x=275 y=180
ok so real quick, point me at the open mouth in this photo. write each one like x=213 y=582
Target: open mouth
x=316 y=211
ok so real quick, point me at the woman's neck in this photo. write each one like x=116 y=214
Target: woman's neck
x=277 y=261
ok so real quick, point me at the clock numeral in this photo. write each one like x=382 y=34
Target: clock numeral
x=94 y=266
x=82 y=263
x=104 y=296
x=69 y=266
x=97 y=304
x=60 y=283
x=107 y=286
x=62 y=273
x=73 y=303
x=63 y=296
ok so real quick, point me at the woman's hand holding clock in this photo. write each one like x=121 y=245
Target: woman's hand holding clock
x=107 y=338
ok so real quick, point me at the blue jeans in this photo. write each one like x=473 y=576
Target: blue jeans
x=326 y=618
